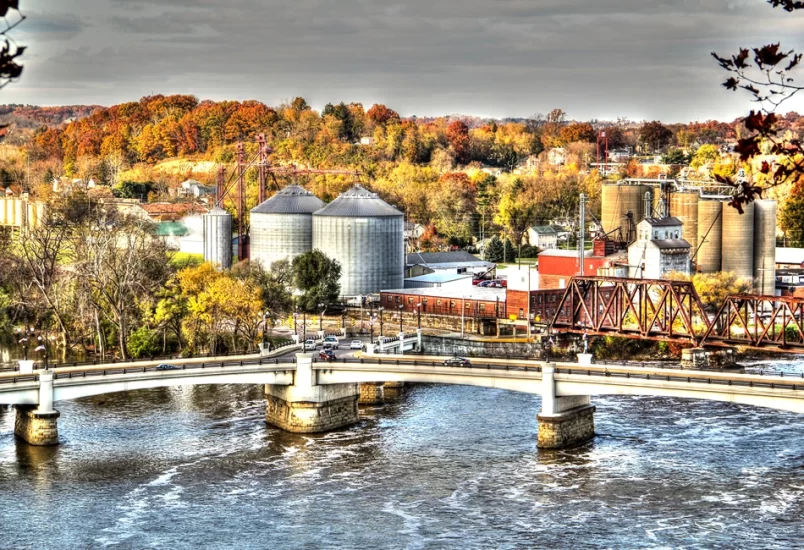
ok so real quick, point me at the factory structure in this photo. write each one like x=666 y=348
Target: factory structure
x=358 y=229
x=663 y=221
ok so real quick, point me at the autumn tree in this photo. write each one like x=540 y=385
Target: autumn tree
x=655 y=135
x=577 y=131
x=458 y=137
x=381 y=115
x=791 y=215
x=766 y=74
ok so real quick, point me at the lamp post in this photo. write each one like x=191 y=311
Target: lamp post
x=371 y=326
x=381 y=310
x=264 y=329
x=23 y=340
x=295 y=318
x=463 y=312
x=401 y=307
x=323 y=308
x=304 y=326
x=419 y=315
x=43 y=348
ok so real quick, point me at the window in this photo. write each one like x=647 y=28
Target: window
x=438 y=302
x=468 y=305
x=482 y=307
x=396 y=299
x=410 y=299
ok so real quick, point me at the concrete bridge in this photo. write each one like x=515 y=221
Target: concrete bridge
x=304 y=395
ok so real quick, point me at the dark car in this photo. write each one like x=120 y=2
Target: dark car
x=165 y=366
x=326 y=355
x=457 y=362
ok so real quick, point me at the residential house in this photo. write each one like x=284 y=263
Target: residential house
x=542 y=236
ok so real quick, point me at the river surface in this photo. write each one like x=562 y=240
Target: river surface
x=443 y=467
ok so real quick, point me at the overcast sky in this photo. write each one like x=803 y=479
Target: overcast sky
x=640 y=59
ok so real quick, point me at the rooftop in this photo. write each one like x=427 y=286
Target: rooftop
x=671 y=243
x=787 y=255
x=663 y=222
x=456 y=257
x=563 y=253
x=293 y=199
x=439 y=277
x=359 y=202
x=544 y=230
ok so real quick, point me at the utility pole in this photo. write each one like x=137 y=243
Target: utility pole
x=241 y=201
x=581 y=232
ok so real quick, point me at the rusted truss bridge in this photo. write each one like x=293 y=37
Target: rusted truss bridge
x=672 y=311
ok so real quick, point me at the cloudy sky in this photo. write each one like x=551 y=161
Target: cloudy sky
x=640 y=59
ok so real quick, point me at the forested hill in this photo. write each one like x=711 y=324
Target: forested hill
x=33 y=116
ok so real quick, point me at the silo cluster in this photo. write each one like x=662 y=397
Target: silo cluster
x=358 y=229
x=617 y=201
x=282 y=226
x=721 y=238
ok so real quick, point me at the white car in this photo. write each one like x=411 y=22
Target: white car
x=310 y=345
x=356 y=344
x=331 y=342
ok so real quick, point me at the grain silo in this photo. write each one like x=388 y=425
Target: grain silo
x=617 y=200
x=765 y=247
x=710 y=236
x=218 y=237
x=366 y=235
x=282 y=227
x=737 y=250
x=684 y=206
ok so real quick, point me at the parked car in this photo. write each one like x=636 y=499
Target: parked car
x=310 y=345
x=457 y=362
x=331 y=342
x=356 y=344
x=326 y=355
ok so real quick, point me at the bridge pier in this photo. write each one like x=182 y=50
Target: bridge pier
x=563 y=421
x=306 y=407
x=371 y=393
x=38 y=424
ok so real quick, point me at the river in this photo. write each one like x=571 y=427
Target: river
x=444 y=467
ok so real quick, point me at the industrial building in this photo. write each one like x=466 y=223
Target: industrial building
x=282 y=226
x=719 y=237
x=658 y=249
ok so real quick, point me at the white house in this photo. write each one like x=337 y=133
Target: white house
x=543 y=236
x=658 y=249
x=194 y=188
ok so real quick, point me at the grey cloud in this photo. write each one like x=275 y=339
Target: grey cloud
x=421 y=56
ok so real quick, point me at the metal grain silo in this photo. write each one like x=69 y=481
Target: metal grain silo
x=738 y=241
x=684 y=206
x=366 y=235
x=282 y=227
x=765 y=247
x=710 y=236
x=616 y=200
x=218 y=237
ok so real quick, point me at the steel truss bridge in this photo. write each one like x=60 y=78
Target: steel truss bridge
x=672 y=311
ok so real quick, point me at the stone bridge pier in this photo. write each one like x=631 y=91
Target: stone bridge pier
x=38 y=424
x=563 y=421
x=307 y=407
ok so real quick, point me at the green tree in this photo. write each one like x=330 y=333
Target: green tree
x=675 y=156
x=143 y=342
x=791 y=216
x=318 y=278
x=494 y=250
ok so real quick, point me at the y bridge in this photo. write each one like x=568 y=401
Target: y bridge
x=303 y=395
x=672 y=311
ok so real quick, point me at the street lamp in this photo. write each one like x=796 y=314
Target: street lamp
x=304 y=326
x=381 y=310
x=323 y=308
x=401 y=307
x=295 y=318
x=23 y=340
x=371 y=318
x=419 y=315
